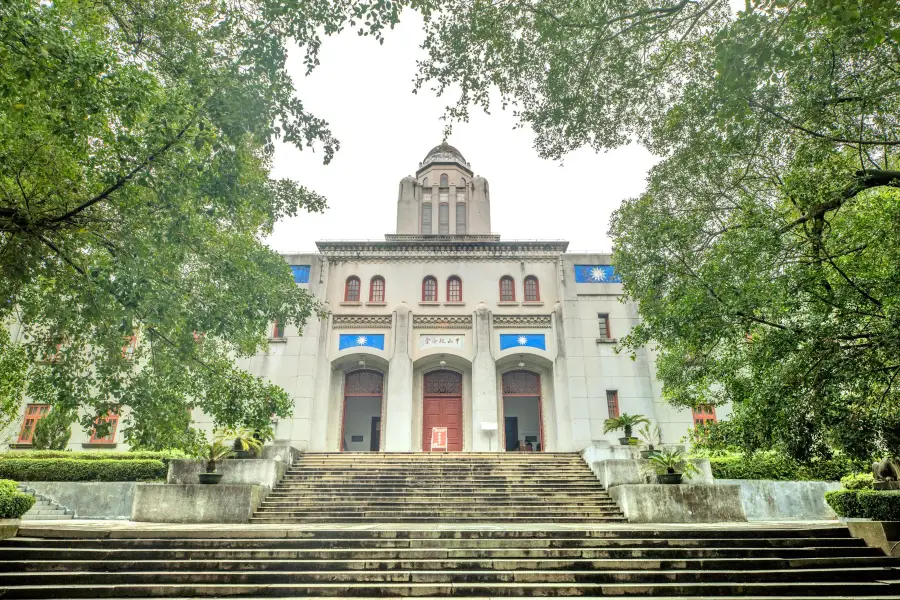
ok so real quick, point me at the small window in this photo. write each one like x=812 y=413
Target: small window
x=507 y=289
x=444 y=180
x=460 y=217
x=110 y=437
x=444 y=219
x=704 y=414
x=376 y=289
x=426 y=217
x=429 y=289
x=425 y=182
x=130 y=346
x=33 y=414
x=603 y=319
x=278 y=331
x=454 y=289
x=612 y=403
x=351 y=292
x=532 y=289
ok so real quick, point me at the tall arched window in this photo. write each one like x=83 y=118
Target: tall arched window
x=532 y=289
x=507 y=289
x=429 y=289
x=376 y=289
x=425 y=182
x=454 y=289
x=351 y=290
x=444 y=180
x=462 y=182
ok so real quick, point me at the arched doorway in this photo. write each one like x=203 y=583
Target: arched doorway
x=361 y=416
x=523 y=429
x=442 y=407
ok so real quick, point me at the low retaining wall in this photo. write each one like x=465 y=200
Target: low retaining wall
x=878 y=534
x=658 y=503
x=766 y=500
x=264 y=472
x=636 y=471
x=89 y=499
x=195 y=503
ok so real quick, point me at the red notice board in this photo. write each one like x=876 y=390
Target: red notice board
x=438 y=438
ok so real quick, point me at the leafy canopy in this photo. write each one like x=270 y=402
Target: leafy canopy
x=135 y=148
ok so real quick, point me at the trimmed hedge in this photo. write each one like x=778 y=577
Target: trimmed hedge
x=865 y=504
x=164 y=455
x=67 y=469
x=861 y=481
x=13 y=503
x=774 y=465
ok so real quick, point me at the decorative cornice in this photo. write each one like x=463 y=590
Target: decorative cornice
x=361 y=322
x=468 y=237
x=442 y=322
x=522 y=321
x=442 y=248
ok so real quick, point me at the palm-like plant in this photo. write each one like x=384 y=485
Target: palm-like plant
x=213 y=452
x=625 y=422
x=244 y=440
x=673 y=460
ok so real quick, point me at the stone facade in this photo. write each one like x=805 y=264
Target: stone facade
x=541 y=368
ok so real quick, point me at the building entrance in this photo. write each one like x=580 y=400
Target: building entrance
x=361 y=420
x=442 y=407
x=523 y=429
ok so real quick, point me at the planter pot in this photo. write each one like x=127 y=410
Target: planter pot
x=626 y=441
x=645 y=454
x=8 y=528
x=242 y=454
x=669 y=478
x=210 y=478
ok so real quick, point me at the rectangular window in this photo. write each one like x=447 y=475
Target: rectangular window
x=110 y=437
x=444 y=219
x=426 y=218
x=704 y=414
x=278 y=331
x=130 y=346
x=460 y=218
x=603 y=319
x=612 y=403
x=33 y=414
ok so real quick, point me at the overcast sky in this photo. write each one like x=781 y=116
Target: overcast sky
x=365 y=93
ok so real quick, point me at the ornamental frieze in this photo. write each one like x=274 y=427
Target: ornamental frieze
x=361 y=322
x=521 y=321
x=442 y=322
x=441 y=250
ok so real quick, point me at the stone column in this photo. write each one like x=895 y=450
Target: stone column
x=435 y=208
x=399 y=397
x=484 y=385
x=561 y=387
x=319 y=411
x=451 y=197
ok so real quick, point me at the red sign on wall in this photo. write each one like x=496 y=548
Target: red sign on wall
x=438 y=438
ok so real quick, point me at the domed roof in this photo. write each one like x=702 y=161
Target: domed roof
x=445 y=153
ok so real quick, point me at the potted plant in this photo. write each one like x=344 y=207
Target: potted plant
x=215 y=451
x=671 y=465
x=246 y=442
x=626 y=423
x=651 y=436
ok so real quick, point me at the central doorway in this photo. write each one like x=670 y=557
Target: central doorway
x=361 y=419
x=523 y=429
x=442 y=407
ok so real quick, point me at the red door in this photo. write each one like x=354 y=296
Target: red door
x=442 y=407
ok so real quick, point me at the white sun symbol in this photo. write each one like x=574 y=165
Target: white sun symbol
x=598 y=274
x=361 y=340
x=522 y=340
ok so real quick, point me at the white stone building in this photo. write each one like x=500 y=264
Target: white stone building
x=507 y=344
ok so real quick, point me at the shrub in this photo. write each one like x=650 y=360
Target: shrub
x=860 y=481
x=66 y=469
x=777 y=466
x=865 y=504
x=164 y=455
x=13 y=503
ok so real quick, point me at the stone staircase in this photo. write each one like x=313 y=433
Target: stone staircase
x=615 y=562
x=44 y=508
x=370 y=487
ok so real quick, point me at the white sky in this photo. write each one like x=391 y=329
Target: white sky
x=365 y=93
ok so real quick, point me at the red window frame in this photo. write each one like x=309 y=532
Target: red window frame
x=604 y=319
x=612 y=403
x=130 y=346
x=511 y=296
x=429 y=295
x=532 y=289
x=277 y=331
x=33 y=414
x=703 y=414
x=111 y=438
x=377 y=289
x=454 y=289
x=352 y=289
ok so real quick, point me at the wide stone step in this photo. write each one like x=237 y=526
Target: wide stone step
x=400 y=519
x=426 y=503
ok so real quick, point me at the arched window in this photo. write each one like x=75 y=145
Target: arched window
x=444 y=180
x=429 y=289
x=454 y=289
x=376 y=289
x=462 y=182
x=507 y=289
x=351 y=290
x=425 y=182
x=532 y=289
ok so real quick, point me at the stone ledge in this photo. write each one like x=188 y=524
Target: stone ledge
x=878 y=534
x=265 y=472
x=656 y=503
x=768 y=500
x=89 y=499
x=195 y=503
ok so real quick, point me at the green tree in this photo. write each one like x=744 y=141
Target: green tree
x=135 y=147
x=764 y=253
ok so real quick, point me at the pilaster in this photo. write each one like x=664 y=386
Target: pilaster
x=484 y=385
x=399 y=398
